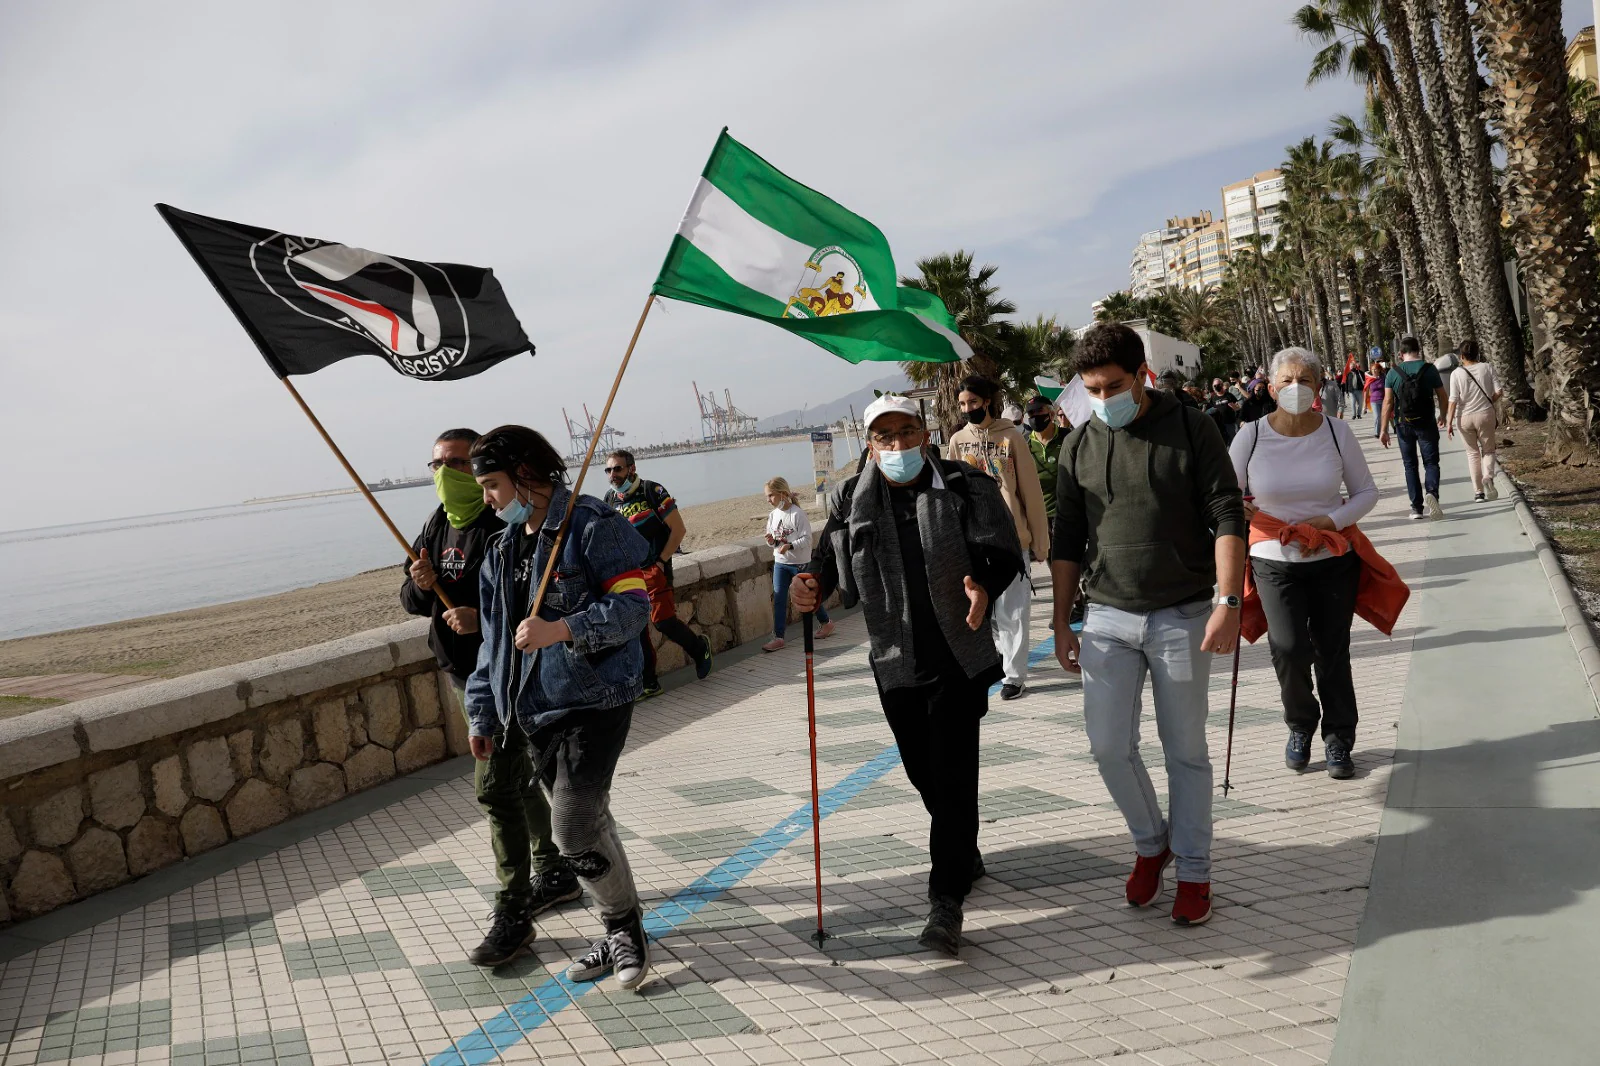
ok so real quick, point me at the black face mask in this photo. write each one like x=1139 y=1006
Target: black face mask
x=1039 y=422
x=976 y=418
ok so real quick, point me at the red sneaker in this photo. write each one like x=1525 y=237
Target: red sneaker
x=1144 y=884
x=1193 y=905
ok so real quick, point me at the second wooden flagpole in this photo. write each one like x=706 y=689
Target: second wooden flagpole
x=362 y=485
x=594 y=441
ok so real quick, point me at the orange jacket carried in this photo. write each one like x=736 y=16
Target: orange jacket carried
x=1380 y=599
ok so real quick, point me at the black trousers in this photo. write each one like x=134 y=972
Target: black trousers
x=1309 y=608
x=936 y=727
x=674 y=630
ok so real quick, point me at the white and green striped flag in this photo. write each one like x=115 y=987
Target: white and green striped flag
x=758 y=243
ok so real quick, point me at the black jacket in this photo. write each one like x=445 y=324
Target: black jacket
x=456 y=555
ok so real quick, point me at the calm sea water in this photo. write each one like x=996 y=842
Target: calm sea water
x=64 y=577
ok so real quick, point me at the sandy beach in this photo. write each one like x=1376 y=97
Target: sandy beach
x=169 y=645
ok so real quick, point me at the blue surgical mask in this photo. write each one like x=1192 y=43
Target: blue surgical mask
x=516 y=512
x=627 y=486
x=1116 y=412
x=901 y=467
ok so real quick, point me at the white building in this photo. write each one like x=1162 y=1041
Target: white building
x=1158 y=257
x=1254 y=207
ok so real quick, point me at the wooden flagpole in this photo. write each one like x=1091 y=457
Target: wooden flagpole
x=362 y=485
x=594 y=441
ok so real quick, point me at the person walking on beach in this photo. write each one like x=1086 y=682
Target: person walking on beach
x=998 y=449
x=1148 y=504
x=1305 y=468
x=533 y=876
x=559 y=678
x=654 y=515
x=1475 y=407
x=926 y=546
x=789 y=533
x=1411 y=391
x=1044 y=441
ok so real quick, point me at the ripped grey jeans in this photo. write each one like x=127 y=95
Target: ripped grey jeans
x=576 y=757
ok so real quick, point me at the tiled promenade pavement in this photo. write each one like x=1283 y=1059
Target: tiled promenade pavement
x=348 y=947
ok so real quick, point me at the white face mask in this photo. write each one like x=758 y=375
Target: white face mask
x=1296 y=399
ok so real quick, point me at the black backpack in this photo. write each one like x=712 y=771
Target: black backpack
x=1412 y=401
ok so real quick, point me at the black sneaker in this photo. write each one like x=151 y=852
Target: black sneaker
x=979 y=871
x=1011 y=692
x=551 y=888
x=510 y=935
x=943 y=931
x=592 y=964
x=702 y=665
x=652 y=689
x=1340 y=765
x=630 y=951
x=1297 y=754
x=1477 y=497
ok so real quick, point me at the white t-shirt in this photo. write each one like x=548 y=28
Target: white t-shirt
x=1299 y=478
x=790 y=524
x=1468 y=397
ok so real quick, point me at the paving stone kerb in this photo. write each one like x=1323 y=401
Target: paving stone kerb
x=104 y=789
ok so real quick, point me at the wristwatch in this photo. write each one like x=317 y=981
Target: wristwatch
x=1230 y=602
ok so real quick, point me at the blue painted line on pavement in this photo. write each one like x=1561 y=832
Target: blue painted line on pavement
x=553 y=995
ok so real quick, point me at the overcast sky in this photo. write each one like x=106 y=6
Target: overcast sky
x=557 y=143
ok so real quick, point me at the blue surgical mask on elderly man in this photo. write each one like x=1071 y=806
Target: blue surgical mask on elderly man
x=901 y=467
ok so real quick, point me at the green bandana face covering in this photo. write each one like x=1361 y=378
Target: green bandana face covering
x=461 y=495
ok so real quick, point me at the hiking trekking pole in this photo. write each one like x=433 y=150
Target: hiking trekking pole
x=1233 y=704
x=816 y=807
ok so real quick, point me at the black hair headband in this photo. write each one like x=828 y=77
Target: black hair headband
x=490 y=463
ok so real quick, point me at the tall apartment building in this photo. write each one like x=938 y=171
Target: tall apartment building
x=1254 y=207
x=1201 y=257
x=1158 y=258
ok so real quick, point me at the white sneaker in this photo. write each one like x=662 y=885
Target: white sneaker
x=1490 y=491
x=1434 y=510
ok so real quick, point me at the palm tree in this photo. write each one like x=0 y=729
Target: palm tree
x=1479 y=220
x=973 y=301
x=1525 y=51
x=1042 y=346
x=1117 y=307
x=1353 y=32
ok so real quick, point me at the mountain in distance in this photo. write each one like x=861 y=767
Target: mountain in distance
x=824 y=413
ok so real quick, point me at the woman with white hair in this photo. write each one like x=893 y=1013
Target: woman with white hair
x=1304 y=474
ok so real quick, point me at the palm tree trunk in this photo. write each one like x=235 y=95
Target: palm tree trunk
x=1319 y=305
x=1330 y=284
x=1525 y=51
x=1417 y=282
x=1479 y=222
x=1410 y=126
x=1358 y=313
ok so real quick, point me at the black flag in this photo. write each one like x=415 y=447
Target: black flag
x=308 y=302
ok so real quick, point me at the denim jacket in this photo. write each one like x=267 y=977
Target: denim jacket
x=597 y=589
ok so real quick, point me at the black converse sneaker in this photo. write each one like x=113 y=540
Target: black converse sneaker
x=630 y=951
x=623 y=949
x=510 y=935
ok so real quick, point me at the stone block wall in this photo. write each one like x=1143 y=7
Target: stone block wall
x=104 y=790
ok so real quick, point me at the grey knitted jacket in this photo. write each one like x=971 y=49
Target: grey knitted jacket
x=962 y=514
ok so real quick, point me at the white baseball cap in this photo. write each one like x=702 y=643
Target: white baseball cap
x=890 y=404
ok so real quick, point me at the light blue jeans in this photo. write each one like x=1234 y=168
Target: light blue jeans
x=1117 y=649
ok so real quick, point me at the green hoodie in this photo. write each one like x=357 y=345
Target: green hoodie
x=1140 y=508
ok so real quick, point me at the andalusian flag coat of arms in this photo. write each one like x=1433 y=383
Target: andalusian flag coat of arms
x=758 y=243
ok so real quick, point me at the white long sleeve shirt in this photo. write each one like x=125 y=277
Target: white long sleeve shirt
x=1298 y=478
x=790 y=524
